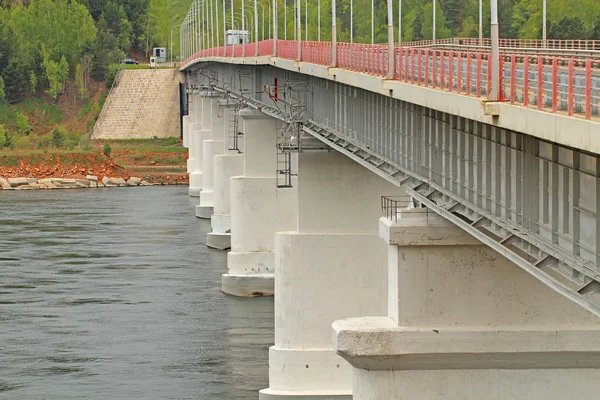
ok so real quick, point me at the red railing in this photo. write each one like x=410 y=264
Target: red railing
x=591 y=45
x=367 y=58
x=287 y=49
x=316 y=52
x=554 y=84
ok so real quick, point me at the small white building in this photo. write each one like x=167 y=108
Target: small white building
x=236 y=37
x=160 y=53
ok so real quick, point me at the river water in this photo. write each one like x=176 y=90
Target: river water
x=112 y=294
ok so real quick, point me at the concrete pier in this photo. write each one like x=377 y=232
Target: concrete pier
x=210 y=148
x=258 y=210
x=198 y=131
x=463 y=322
x=226 y=165
x=333 y=266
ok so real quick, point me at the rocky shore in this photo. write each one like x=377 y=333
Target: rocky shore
x=90 y=181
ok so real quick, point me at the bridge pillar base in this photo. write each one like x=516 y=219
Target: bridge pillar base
x=220 y=237
x=195 y=184
x=258 y=210
x=333 y=266
x=464 y=322
x=268 y=394
x=225 y=167
x=249 y=274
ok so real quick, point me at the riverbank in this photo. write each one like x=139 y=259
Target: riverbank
x=155 y=161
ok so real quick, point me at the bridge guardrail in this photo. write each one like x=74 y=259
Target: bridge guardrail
x=393 y=206
x=552 y=84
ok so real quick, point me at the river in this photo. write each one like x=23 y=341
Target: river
x=112 y=294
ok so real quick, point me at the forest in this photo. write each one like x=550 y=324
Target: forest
x=46 y=43
x=566 y=19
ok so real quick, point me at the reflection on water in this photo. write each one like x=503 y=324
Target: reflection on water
x=111 y=294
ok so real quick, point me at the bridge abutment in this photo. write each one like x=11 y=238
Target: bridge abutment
x=333 y=266
x=226 y=165
x=465 y=322
x=210 y=148
x=258 y=210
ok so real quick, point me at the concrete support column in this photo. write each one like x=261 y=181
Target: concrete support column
x=193 y=128
x=258 y=210
x=226 y=165
x=463 y=322
x=210 y=148
x=202 y=132
x=333 y=266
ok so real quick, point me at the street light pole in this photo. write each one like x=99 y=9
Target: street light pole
x=494 y=93
x=299 y=29
x=399 y=21
x=390 y=66
x=284 y=19
x=256 y=28
x=173 y=27
x=480 y=22
x=351 y=21
x=319 y=20
x=333 y=36
x=372 y=21
x=434 y=10
x=275 y=23
x=544 y=24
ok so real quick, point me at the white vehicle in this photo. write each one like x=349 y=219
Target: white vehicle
x=236 y=37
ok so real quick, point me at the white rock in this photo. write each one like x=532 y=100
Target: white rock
x=4 y=184
x=134 y=181
x=45 y=180
x=92 y=178
x=82 y=182
x=31 y=180
x=145 y=183
x=14 y=182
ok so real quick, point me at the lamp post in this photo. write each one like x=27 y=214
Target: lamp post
x=480 y=22
x=333 y=35
x=299 y=28
x=390 y=66
x=275 y=23
x=372 y=21
x=494 y=93
x=319 y=20
x=173 y=27
x=284 y=19
x=351 y=23
x=434 y=10
x=399 y=21
x=544 y=23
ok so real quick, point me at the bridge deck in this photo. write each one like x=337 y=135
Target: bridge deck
x=556 y=84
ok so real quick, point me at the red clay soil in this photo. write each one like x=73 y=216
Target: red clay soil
x=74 y=165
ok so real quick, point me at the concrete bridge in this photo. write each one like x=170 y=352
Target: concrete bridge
x=423 y=237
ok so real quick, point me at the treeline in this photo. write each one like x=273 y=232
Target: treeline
x=46 y=43
x=566 y=19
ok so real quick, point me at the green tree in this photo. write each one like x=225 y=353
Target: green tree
x=15 y=81
x=23 y=126
x=2 y=86
x=33 y=81
x=57 y=137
